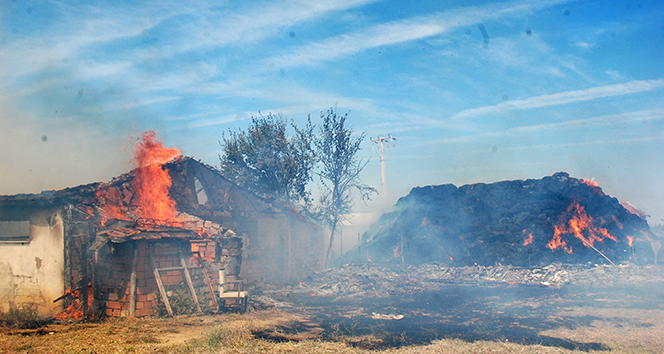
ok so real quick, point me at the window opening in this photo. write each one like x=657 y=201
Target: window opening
x=14 y=231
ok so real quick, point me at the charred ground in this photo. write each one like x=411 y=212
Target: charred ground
x=379 y=308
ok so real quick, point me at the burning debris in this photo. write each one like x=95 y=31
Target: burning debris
x=521 y=223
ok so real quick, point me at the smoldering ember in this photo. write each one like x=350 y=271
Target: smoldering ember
x=174 y=228
x=532 y=222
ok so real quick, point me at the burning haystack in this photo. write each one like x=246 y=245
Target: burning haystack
x=522 y=223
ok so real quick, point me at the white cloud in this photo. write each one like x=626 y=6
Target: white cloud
x=564 y=98
x=615 y=74
x=291 y=99
x=403 y=31
x=261 y=21
x=593 y=123
x=584 y=45
x=66 y=46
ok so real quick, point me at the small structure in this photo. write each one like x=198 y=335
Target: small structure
x=85 y=252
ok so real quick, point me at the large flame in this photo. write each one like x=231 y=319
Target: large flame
x=152 y=182
x=557 y=240
x=150 y=185
x=581 y=225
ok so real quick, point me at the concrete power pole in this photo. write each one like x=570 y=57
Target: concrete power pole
x=383 y=184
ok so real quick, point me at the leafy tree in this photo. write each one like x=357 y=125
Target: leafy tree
x=336 y=150
x=265 y=160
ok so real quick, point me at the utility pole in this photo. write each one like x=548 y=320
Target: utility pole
x=383 y=184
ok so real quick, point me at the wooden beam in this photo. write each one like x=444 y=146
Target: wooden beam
x=190 y=283
x=207 y=281
x=160 y=285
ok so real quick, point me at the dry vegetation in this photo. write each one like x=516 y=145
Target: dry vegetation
x=588 y=317
x=267 y=332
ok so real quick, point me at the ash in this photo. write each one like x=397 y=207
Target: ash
x=376 y=282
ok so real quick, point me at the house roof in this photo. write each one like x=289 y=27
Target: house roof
x=223 y=195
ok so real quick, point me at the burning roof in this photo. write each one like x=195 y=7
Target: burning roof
x=137 y=203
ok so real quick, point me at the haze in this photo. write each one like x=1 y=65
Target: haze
x=479 y=92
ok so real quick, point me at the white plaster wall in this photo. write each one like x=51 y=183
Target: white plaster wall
x=33 y=274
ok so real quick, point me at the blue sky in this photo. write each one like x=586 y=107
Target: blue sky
x=549 y=86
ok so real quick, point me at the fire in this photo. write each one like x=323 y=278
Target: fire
x=152 y=181
x=75 y=310
x=581 y=225
x=150 y=185
x=590 y=182
x=630 y=239
x=529 y=240
x=557 y=241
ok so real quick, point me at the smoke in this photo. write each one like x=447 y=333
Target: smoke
x=39 y=154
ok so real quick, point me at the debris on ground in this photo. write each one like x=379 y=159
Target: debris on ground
x=379 y=282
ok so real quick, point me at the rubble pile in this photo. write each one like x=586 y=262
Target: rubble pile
x=521 y=223
x=381 y=282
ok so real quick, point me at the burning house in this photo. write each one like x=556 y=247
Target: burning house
x=124 y=247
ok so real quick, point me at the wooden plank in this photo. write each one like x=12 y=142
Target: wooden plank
x=207 y=281
x=189 y=282
x=160 y=285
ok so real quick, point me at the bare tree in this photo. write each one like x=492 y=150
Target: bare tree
x=336 y=150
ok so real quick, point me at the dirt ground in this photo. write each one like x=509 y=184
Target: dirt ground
x=620 y=316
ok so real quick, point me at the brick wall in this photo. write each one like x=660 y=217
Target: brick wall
x=114 y=270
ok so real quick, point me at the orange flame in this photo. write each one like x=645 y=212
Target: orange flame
x=152 y=181
x=529 y=240
x=590 y=182
x=578 y=224
x=557 y=241
x=150 y=185
x=75 y=310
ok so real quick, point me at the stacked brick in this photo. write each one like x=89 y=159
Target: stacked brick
x=114 y=271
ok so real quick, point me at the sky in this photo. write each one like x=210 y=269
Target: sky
x=474 y=91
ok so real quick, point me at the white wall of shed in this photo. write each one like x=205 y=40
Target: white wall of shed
x=32 y=274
